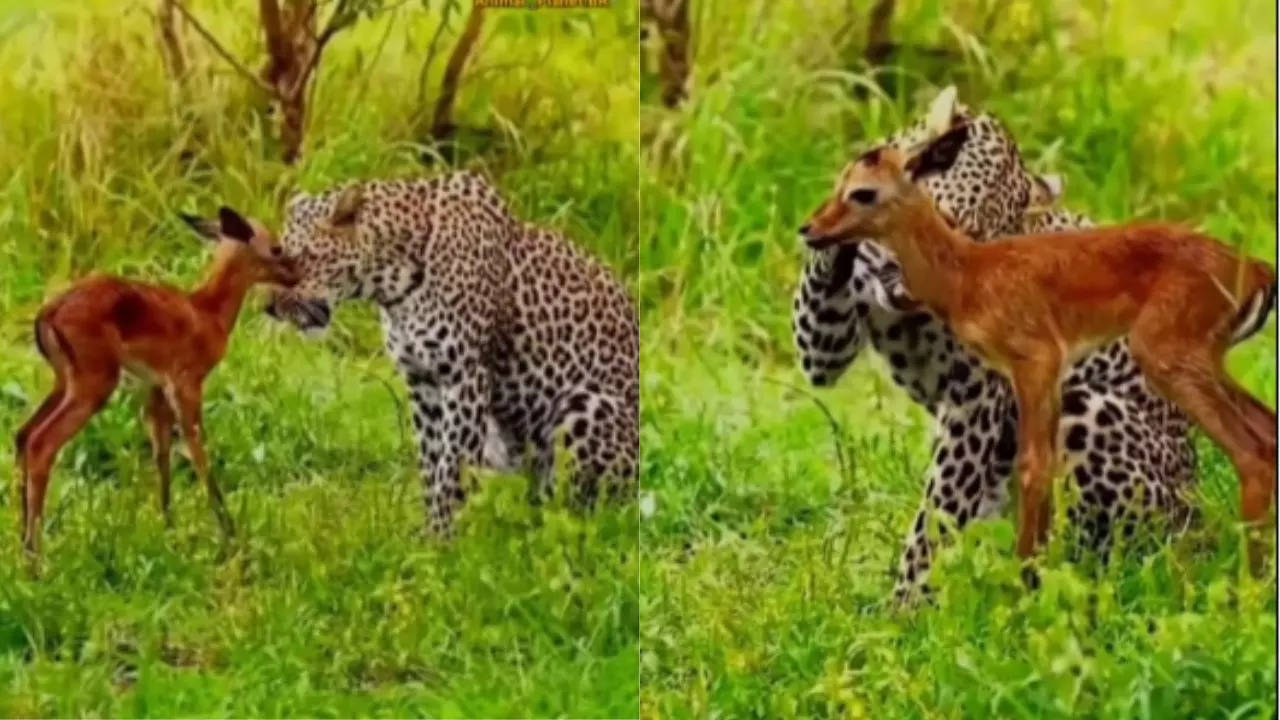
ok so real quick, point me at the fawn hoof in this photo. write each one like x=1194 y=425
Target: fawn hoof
x=1030 y=578
x=30 y=547
x=32 y=557
x=228 y=529
x=1257 y=559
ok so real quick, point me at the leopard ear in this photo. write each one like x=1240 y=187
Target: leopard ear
x=347 y=206
x=296 y=201
x=1046 y=190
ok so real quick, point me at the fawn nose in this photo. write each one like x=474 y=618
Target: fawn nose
x=804 y=230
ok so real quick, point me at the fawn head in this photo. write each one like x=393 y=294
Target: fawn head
x=322 y=236
x=981 y=185
x=874 y=190
x=248 y=242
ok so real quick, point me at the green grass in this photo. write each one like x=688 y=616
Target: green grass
x=332 y=603
x=765 y=567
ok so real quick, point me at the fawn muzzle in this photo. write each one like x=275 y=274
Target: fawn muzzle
x=828 y=227
x=818 y=240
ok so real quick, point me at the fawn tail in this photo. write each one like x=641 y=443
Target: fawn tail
x=1253 y=314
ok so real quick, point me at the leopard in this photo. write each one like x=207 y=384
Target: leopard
x=514 y=343
x=1130 y=456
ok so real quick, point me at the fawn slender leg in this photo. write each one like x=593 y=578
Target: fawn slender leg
x=160 y=427
x=1035 y=382
x=84 y=396
x=1192 y=377
x=1210 y=404
x=47 y=406
x=190 y=416
x=1261 y=419
x=20 y=440
x=1258 y=488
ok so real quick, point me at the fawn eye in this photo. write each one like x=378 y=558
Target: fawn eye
x=277 y=251
x=863 y=196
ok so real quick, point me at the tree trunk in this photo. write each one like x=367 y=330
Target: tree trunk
x=442 y=125
x=879 y=42
x=293 y=53
x=293 y=50
x=672 y=20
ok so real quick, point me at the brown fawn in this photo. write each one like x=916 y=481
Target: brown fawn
x=1030 y=306
x=169 y=339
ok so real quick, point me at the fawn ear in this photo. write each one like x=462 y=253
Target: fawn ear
x=939 y=155
x=346 y=206
x=207 y=229
x=234 y=226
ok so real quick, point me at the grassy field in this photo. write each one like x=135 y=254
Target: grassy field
x=331 y=603
x=765 y=568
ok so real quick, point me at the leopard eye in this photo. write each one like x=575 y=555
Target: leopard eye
x=276 y=251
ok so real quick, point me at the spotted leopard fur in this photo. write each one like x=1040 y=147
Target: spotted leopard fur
x=1126 y=448
x=510 y=338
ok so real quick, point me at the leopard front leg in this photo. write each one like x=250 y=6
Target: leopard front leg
x=967 y=480
x=460 y=439
x=428 y=412
x=449 y=389
x=828 y=319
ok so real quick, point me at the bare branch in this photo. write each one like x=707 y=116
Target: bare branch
x=377 y=54
x=170 y=40
x=675 y=53
x=308 y=20
x=226 y=55
x=341 y=19
x=442 y=122
x=432 y=47
x=671 y=19
x=273 y=28
x=879 y=43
